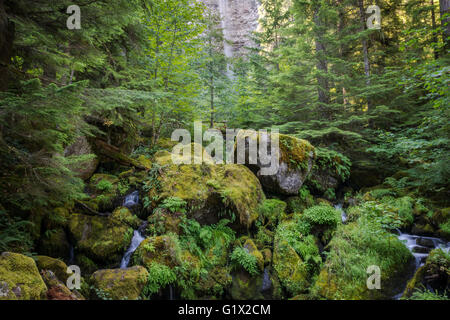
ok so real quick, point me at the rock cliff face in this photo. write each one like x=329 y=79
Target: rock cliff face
x=239 y=18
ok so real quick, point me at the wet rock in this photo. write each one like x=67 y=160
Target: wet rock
x=425 y=242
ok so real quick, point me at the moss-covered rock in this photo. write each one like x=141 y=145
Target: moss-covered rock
x=164 y=250
x=354 y=248
x=295 y=158
x=163 y=221
x=101 y=239
x=103 y=191
x=210 y=191
x=251 y=248
x=120 y=284
x=58 y=267
x=290 y=268
x=434 y=274
x=124 y=215
x=56 y=289
x=246 y=287
x=330 y=169
x=214 y=284
x=20 y=278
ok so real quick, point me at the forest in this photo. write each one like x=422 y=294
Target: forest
x=92 y=91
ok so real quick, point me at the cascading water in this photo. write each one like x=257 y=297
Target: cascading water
x=71 y=255
x=420 y=247
x=131 y=200
x=135 y=242
x=266 y=283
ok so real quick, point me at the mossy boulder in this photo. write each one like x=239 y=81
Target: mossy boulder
x=120 y=284
x=103 y=191
x=58 y=267
x=246 y=287
x=295 y=158
x=211 y=192
x=101 y=239
x=163 y=221
x=433 y=275
x=330 y=169
x=56 y=288
x=20 y=278
x=124 y=215
x=290 y=268
x=354 y=248
x=164 y=250
x=214 y=284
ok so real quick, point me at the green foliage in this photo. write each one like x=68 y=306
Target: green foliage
x=323 y=215
x=174 y=205
x=159 y=276
x=14 y=234
x=104 y=185
x=427 y=295
x=198 y=239
x=240 y=257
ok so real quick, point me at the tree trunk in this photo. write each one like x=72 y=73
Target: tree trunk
x=7 y=31
x=433 y=24
x=445 y=9
x=365 y=45
x=322 y=66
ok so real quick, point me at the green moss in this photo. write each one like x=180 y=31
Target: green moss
x=354 y=248
x=101 y=239
x=120 y=284
x=295 y=152
x=240 y=192
x=124 y=215
x=58 y=267
x=19 y=278
x=270 y=212
x=164 y=250
x=290 y=268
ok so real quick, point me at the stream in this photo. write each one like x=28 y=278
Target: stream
x=131 y=200
x=420 y=246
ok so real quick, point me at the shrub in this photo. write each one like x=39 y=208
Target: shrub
x=427 y=295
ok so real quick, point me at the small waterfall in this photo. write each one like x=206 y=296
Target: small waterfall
x=420 y=247
x=131 y=200
x=135 y=242
x=341 y=210
x=266 y=283
x=71 y=255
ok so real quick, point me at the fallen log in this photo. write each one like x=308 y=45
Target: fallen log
x=113 y=153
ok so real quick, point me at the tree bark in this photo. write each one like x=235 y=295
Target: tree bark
x=322 y=66
x=445 y=9
x=7 y=32
x=365 y=45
